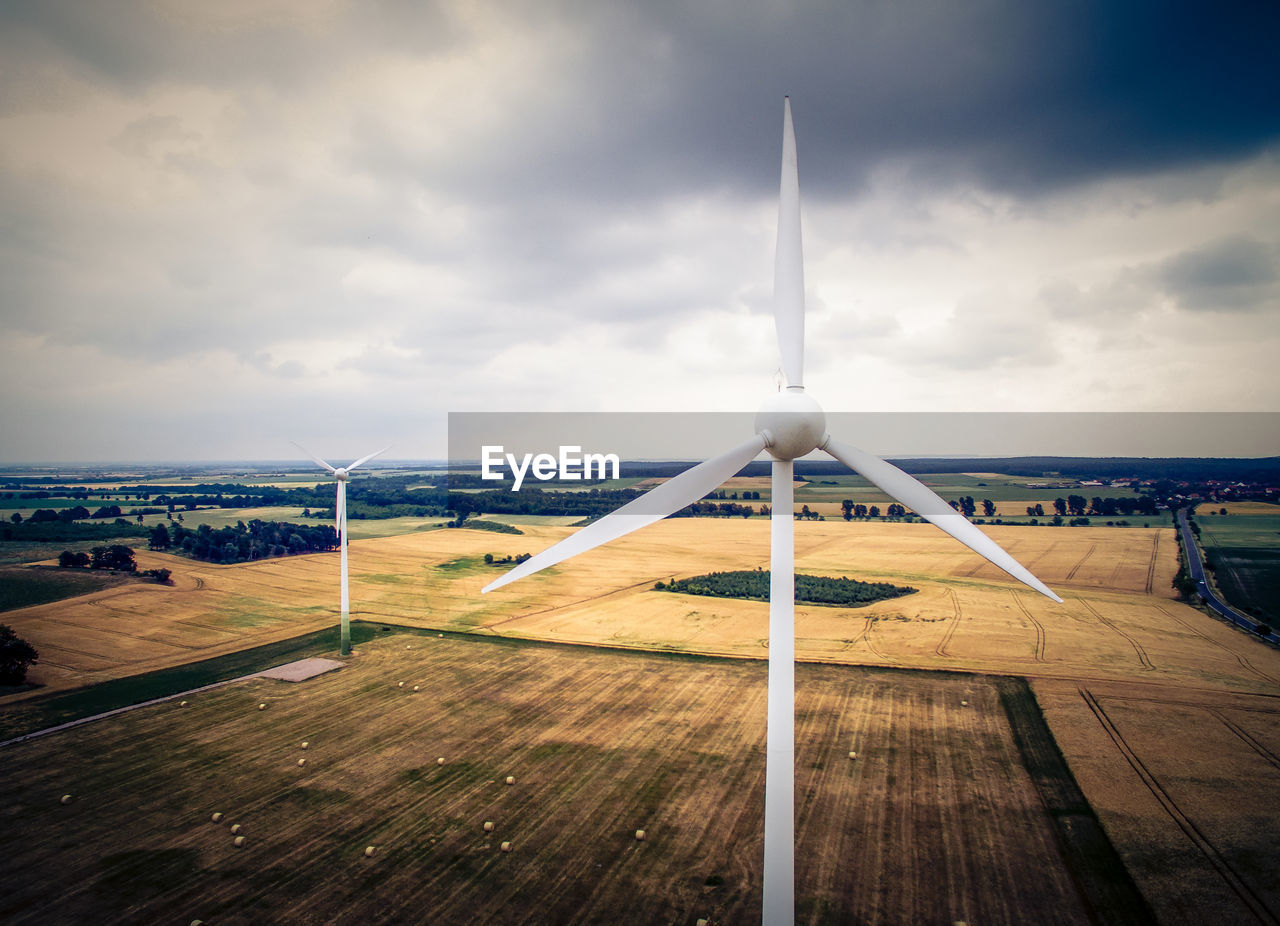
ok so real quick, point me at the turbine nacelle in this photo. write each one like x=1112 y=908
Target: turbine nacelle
x=341 y=474
x=791 y=423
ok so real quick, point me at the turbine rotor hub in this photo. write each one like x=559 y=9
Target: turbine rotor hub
x=792 y=422
x=340 y=474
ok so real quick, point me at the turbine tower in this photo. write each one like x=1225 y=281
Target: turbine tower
x=341 y=474
x=789 y=425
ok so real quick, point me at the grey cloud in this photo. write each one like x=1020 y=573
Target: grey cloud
x=1238 y=273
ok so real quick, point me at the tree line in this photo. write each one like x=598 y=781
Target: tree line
x=243 y=542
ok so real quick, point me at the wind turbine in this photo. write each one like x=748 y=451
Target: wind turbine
x=790 y=424
x=341 y=474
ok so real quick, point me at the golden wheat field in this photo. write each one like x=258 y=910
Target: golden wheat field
x=1167 y=717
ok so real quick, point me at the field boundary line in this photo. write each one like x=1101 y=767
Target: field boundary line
x=121 y=710
x=1137 y=647
x=1215 y=858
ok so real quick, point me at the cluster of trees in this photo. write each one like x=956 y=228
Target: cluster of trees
x=754 y=584
x=508 y=560
x=1078 y=506
x=16 y=655
x=851 y=511
x=115 y=556
x=65 y=515
x=722 y=495
x=707 y=509
x=244 y=542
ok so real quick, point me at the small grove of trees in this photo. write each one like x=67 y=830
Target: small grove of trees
x=491 y=560
x=16 y=655
x=851 y=511
x=116 y=556
x=245 y=542
x=754 y=584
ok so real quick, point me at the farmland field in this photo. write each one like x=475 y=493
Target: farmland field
x=937 y=820
x=1166 y=716
x=1244 y=546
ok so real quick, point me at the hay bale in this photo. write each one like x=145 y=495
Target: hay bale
x=305 y=744
x=370 y=851
x=440 y=761
x=262 y=706
x=236 y=828
x=488 y=826
x=505 y=847
x=301 y=762
x=640 y=835
x=853 y=755
x=238 y=842
x=415 y=687
x=511 y=779
x=400 y=685
x=65 y=799
x=964 y=703
x=703 y=921
x=217 y=817
x=182 y=704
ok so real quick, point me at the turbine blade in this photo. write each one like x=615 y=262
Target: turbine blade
x=654 y=505
x=929 y=505
x=331 y=469
x=788 y=266
x=366 y=459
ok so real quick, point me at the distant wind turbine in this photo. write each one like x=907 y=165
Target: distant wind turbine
x=341 y=474
x=790 y=424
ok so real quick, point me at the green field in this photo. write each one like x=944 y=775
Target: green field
x=1245 y=551
x=23 y=586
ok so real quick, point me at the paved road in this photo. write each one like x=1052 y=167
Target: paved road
x=1196 y=568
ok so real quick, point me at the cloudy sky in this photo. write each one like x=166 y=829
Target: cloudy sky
x=224 y=225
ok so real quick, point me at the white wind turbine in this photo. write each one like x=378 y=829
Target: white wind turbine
x=789 y=425
x=341 y=474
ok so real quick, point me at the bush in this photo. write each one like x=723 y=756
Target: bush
x=69 y=560
x=160 y=575
x=16 y=654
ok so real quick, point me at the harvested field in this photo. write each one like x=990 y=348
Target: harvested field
x=936 y=821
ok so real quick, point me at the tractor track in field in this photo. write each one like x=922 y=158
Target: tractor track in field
x=1137 y=647
x=1151 y=566
x=1247 y=738
x=1243 y=660
x=941 y=648
x=1220 y=864
x=1040 y=634
x=1084 y=559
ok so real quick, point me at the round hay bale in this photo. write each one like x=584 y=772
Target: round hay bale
x=505 y=847
x=415 y=687
x=370 y=851
x=236 y=828
x=964 y=703
x=853 y=755
x=305 y=744
x=301 y=762
x=217 y=817
x=440 y=635
x=440 y=761
x=262 y=706
x=511 y=779
x=65 y=799
x=197 y=923
x=182 y=704
x=703 y=921
x=400 y=685
x=238 y=842
x=640 y=835
x=488 y=826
